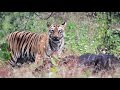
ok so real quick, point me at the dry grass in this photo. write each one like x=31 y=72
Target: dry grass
x=66 y=68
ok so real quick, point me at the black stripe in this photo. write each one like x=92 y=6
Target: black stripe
x=18 y=41
x=34 y=42
x=50 y=44
x=60 y=44
x=21 y=39
x=24 y=40
x=16 y=35
x=31 y=57
x=29 y=41
x=12 y=62
x=19 y=44
x=33 y=38
x=13 y=36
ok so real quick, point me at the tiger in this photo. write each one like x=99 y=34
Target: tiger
x=27 y=46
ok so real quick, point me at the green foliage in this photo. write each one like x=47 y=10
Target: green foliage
x=113 y=42
x=82 y=35
x=2 y=33
x=4 y=54
x=78 y=39
x=106 y=37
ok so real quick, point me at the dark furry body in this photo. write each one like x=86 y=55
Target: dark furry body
x=99 y=62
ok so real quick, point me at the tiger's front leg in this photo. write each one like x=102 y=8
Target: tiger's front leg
x=38 y=60
x=41 y=50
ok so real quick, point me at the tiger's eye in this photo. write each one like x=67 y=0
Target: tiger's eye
x=51 y=31
x=60 y=31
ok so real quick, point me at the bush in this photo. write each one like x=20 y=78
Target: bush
x=4 y=54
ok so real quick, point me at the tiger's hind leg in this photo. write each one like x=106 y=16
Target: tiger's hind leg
x=31 y=58
x=20 y=61
x=12 y=63
x=13 y=60
x=16 y=62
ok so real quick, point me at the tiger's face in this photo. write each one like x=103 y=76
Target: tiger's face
x=56 y=35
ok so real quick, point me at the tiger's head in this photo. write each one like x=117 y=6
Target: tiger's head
x=56 y=35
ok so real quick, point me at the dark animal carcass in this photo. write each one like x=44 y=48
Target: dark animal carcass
x=99 y=62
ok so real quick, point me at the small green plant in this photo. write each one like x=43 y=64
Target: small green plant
x=4 y=54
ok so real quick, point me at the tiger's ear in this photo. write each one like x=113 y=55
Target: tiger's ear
x=48 y=24
x=64 y=24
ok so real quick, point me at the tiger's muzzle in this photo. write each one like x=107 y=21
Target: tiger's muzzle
x=56 y=38
x=55 y=43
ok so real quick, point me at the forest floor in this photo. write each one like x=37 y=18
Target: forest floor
x=64 y=69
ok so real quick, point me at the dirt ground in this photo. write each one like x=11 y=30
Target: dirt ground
x=62 y=69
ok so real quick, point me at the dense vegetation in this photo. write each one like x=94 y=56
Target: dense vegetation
x=85 y=32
